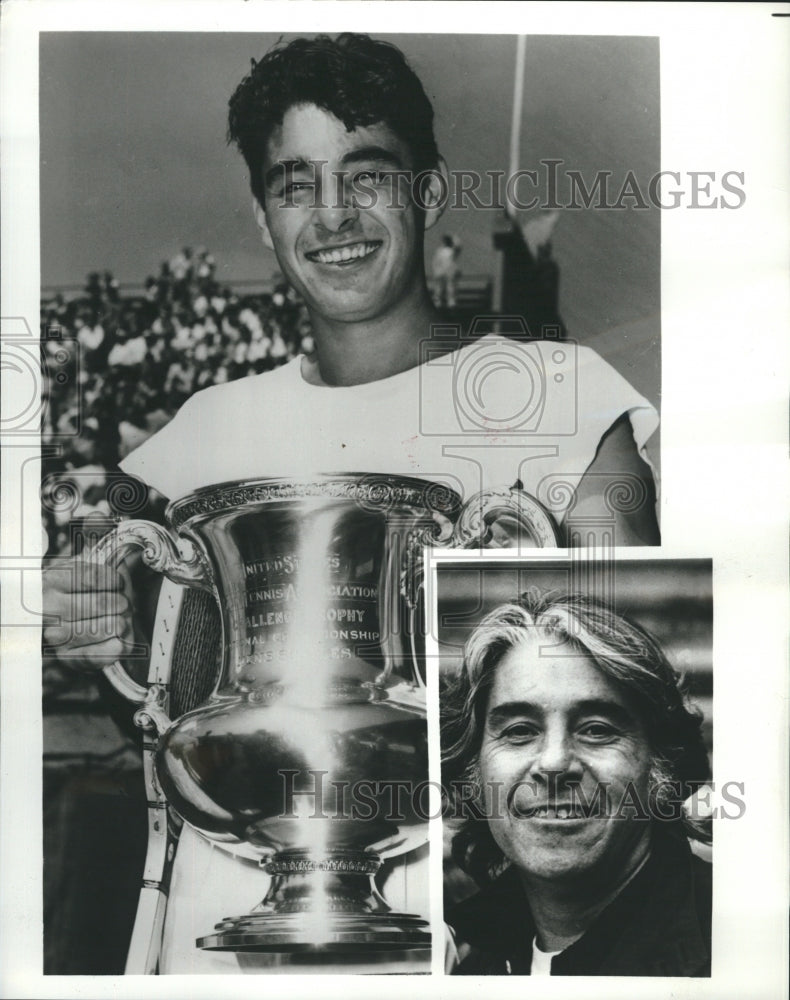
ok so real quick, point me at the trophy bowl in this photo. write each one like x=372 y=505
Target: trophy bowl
x=310 y=754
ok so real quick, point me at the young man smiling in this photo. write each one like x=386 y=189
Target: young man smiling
x=360 y=270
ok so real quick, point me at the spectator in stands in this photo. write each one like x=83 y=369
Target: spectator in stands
x=446 y=271
x=128 y=351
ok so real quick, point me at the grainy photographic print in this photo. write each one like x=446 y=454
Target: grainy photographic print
x=405 y=328
x=576 y=736
x=324 y=337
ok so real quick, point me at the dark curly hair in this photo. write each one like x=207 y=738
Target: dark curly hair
x=361 y=81
x=625 y=653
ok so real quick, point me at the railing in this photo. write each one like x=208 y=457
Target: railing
x=471 y=289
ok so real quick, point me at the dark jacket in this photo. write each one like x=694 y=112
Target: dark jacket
x=659 y=925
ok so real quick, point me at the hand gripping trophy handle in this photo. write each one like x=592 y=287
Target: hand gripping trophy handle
x=161 y=553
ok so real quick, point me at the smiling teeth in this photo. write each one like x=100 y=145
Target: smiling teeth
x=341 y=254
x=561 y=812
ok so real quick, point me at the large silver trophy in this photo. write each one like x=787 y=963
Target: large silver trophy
x=318 y=714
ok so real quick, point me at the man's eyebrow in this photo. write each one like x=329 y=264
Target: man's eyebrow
x=615 y=710
x=281 y=169
x=372 y=154
x=507 y=710
x=300 y=164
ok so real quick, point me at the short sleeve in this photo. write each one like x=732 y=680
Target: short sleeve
x=593 y=397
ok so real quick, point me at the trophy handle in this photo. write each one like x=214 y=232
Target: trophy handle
x=161 y=553
x=494 y=518
x=501 y=518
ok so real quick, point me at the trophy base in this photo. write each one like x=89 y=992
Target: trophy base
x=323 y=902
x=336 y=933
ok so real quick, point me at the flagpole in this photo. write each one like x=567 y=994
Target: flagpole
x=518 y=104
x=515 y=143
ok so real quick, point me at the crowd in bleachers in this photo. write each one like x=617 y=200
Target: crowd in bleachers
x=118 y=367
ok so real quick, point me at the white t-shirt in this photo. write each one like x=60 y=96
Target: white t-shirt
x=494 y=412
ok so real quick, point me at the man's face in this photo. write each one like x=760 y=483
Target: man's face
x=339 y=218
x=558 y=730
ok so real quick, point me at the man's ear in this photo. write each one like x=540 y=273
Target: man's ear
x=260 y=217
x=434 y=193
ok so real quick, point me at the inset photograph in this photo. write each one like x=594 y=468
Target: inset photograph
x=576 y=735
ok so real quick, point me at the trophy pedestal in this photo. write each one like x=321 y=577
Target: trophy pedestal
x=326 y=903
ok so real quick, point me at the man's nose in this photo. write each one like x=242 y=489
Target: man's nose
x=337 y=210
x=556 y=754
